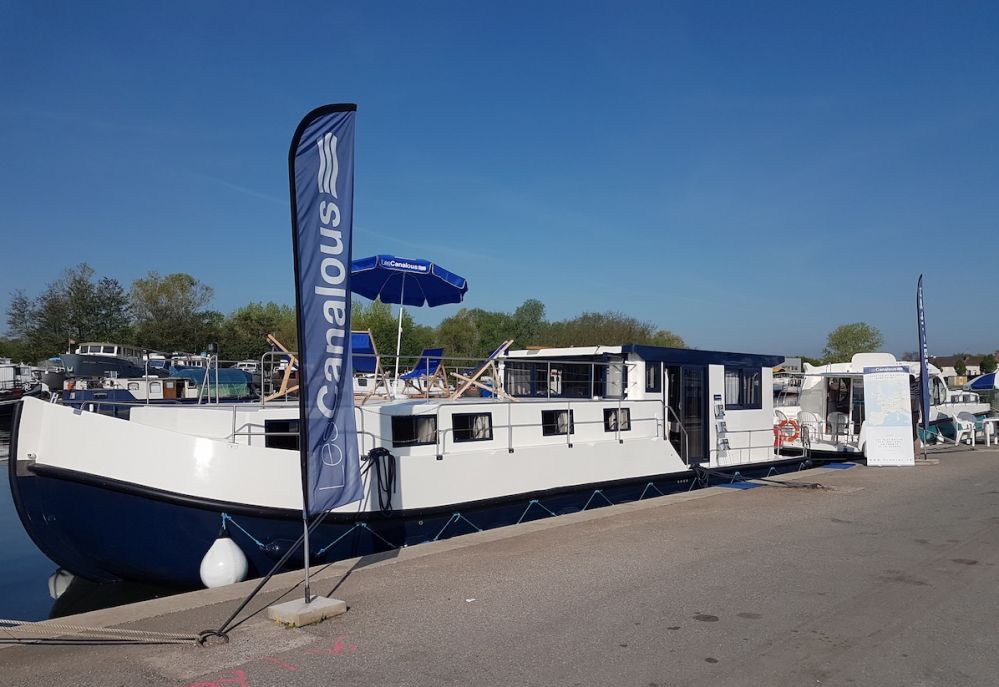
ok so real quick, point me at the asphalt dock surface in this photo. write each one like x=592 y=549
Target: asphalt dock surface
x=888 y=576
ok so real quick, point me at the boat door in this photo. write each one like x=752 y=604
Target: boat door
x=686 y=395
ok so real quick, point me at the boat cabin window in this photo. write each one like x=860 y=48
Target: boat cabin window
x=281 y=434
x=155 y=387
x=414 y=430
x=553 y=378
x=743 y=388
x=653 y=377
x=550 y=378
x=617 y=419
x=472 y=426
x=554 y=422
x=109 y=349
x=133 y=386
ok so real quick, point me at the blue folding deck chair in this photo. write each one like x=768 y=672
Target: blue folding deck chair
x=366 y=361
x=428 y=368
x=472 y=379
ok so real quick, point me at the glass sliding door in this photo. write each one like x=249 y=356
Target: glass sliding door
x=685 y=396
x=694 y=396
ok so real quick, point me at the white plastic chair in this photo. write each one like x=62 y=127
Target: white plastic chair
x=838 y=423
x=970 y=424
x=963 y=430
x=811 y=421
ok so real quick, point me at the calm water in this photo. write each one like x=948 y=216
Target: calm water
x=25 y=571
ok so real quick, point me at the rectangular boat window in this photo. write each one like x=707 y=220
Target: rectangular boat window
x=109 y=349
x=743 y=388
x=653 y=377
x=133 y=386
x=617 y=419
x=414 y=430
x=472 y=426
x=156 y=386
x=281 y=434
x=555 y=422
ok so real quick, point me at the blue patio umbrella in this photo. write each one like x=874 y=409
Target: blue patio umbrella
x=405 y=281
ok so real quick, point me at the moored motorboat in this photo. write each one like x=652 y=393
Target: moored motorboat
x=829 y=415
x=97 y=360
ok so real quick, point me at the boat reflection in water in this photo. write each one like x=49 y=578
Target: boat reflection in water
x=74 y=594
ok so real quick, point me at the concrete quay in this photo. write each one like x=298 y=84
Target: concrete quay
x=887 y=576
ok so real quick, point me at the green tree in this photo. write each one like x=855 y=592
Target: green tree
x=15 y=349
x=528 y=325
x=960 y=368
x=493 y=328
x=171 y=315
x=378 y=318
x=76 y=306
x=243 y=333
x=849 y=339
x=988 y=364
x=459 y=335
x=590 y=329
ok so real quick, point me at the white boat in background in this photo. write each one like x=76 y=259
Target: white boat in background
x=564 y=430
x=829 y=415
x=17 y=379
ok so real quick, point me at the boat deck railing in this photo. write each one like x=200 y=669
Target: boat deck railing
x=545 y=378
x=759 y=439
x=444 y=440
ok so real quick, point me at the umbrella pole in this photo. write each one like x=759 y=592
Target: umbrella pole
x=398 y=344
x=398 y=338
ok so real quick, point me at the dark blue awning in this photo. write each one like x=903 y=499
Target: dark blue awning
x=693 y=356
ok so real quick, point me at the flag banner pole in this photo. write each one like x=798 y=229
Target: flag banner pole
x=924 y=375
x=321 y=178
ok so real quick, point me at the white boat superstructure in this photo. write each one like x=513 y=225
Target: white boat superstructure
x=829 y=415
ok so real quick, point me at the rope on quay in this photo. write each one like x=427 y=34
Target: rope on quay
x=704 y=476
x=58 y=633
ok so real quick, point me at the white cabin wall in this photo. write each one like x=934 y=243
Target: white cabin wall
x=716 y=390
x=749 y=432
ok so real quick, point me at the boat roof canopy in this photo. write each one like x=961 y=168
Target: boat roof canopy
x=693 y=356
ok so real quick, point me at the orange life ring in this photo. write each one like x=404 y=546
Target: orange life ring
x=780 y=435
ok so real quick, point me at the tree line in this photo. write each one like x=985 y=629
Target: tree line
x=860 y=337
x=172 y=313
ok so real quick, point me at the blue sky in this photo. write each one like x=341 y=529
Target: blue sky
x=749 y=175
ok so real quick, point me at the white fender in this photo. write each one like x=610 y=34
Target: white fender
x=224 y=563
x=59 y=582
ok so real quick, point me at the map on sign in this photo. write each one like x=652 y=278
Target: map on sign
x=888 y=423
x=887 y=409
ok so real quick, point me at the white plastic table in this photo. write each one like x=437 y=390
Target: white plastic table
x=995 y=431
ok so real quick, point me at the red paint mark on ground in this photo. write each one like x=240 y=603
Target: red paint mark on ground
x=340 y=646
x=279 y=663
x=236 y=679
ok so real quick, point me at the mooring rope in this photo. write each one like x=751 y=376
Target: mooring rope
x=86 y=634
x=704 y=477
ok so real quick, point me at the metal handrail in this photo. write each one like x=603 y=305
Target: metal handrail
x=768 y=432
x=441 y=442
x=683 y=430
